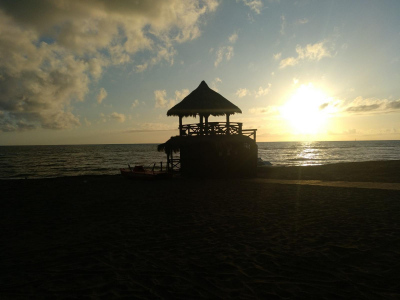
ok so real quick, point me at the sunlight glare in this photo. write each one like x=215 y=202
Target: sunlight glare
x=305 y=110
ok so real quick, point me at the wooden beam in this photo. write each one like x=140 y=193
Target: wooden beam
x=180 y=125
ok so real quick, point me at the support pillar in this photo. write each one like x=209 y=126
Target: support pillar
x=206 y=124
x=228 y=131
x=201 y=124
x=180 y=126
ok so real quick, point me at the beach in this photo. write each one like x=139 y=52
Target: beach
x=104 y=237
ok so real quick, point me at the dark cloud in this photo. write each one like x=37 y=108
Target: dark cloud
x=50 y=51
x=394 y=104
x=363 y=108
x=323 y=106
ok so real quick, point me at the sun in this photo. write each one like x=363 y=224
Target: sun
x=305 y=110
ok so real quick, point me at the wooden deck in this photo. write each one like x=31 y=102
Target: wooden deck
x=217 y=128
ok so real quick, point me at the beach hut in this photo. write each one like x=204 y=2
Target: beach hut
x=210 y=149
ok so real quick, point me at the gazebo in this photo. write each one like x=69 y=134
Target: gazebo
x=209 y=149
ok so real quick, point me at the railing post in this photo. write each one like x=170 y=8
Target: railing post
x=240 y=128
x=227 y=125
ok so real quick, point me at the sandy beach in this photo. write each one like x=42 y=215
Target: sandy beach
x=105 y=237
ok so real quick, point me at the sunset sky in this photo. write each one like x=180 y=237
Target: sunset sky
x=105 y=72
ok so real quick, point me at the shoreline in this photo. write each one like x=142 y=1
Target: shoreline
x=107 y=237
x=366 y=171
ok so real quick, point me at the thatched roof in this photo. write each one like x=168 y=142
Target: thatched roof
x=175 y=143
x=203 y=101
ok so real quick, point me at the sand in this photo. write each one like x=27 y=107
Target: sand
x=104 y=237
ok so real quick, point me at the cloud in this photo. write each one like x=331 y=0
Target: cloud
x=302 y=21
x=233 y=38
x=258 y=93
x=367 y=106
x=162 y=102
x=283 y=25
x=135 y=103
x=141 y=68
x=160 y=98
x=225 y=51
x=214 y=83
x=51 y=51
x=363 y=108
x=254 y=5
x=102 y=95
x=242 y=93
x=393 y=105
x=310 y=52
x=277 y=56
x=119 y=117
x=262 y=91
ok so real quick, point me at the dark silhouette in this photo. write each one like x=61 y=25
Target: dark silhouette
x=210 y=149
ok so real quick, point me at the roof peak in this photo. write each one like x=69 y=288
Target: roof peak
x=203 y=101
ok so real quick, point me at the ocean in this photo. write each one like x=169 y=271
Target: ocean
x=73 y=160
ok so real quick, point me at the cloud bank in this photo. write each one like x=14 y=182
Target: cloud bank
x=51 y=51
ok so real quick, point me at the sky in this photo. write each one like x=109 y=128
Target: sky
x=106 y=72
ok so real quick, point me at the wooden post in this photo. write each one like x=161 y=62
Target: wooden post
x=201 y=124
x=180 y=126
x=227 y=125
x=240 y=128
x=206 y=117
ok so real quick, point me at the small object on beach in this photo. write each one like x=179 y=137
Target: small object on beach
x=139 y=172
x=261 y=162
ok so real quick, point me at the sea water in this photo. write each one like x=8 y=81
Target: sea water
x=74 y=160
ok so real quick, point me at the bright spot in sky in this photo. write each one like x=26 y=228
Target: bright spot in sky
x=305 y=110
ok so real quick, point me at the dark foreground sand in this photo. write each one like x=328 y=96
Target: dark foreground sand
x=102 y=237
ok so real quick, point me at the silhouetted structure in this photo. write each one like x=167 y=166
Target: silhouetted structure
x=209 y=149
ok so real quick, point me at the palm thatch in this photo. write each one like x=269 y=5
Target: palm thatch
x=203 y=101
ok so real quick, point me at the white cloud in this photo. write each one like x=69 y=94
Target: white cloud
x=310 y=52
x=254 y=5
x=162 y=102
x=283 y=25
x=119 y=117
x=277 y=56
x=224 y=52
x=214 y=83
x=242 y=93
x=135 y=103
x=102 y=95
x=262 y=91
x=233 y=38
x=141 y=68
x=302 y=21
x=160 y=98
x=50 y=51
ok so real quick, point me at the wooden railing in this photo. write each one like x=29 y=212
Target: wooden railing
x=216 y=128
